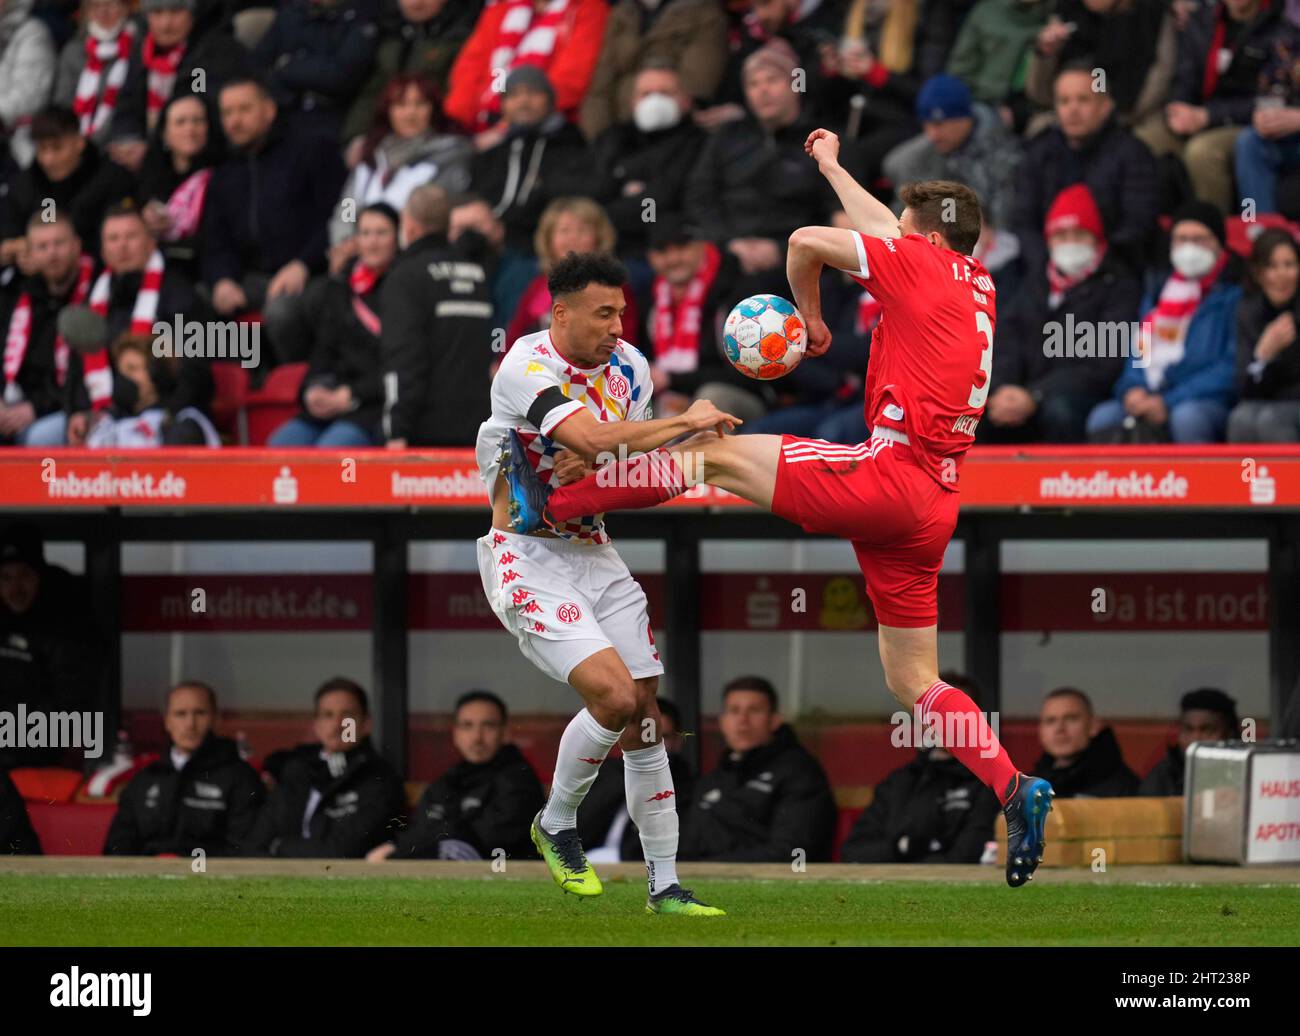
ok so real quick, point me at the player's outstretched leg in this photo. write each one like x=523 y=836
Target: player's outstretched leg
x=910 y=659
x=742 y=464
x=651 y=802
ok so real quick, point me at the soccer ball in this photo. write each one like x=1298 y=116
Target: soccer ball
x=764 y=337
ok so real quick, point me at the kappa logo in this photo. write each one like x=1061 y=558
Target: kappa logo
x=531 y=608
x=617 y=385
x=520 y=596
x=568 y=613
x=498 y=539
x=659 y=796
x=535 y=368
x=508 y=576
x=507 y=558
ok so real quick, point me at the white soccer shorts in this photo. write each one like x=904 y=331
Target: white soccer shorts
x=565 y=601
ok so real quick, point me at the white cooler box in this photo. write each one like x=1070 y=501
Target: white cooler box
x=1242 y=802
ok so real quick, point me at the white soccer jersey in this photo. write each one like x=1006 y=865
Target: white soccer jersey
x=535 y=389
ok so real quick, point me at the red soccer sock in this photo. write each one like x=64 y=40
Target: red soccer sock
x=957 y=719
x=641 y=481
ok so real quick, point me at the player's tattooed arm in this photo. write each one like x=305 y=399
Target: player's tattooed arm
x=589 y=438
x=867 y=213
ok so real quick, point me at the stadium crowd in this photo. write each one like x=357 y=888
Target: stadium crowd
x=379 y=187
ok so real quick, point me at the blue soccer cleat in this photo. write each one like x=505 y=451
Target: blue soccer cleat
x=1029 y=800
x=527 y=494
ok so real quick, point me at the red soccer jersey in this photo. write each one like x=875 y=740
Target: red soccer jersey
x=932 y=351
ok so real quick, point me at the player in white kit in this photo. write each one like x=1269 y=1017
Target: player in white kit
x=566 y=594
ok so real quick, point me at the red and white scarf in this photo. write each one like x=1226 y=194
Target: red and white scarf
x=185 y=206
x=362 y=281
x=98 y=374
x=161 y=68
x=92 y=107
x=1165 y=325
x=677 y=324
x=1059 y=283
x=525 y=37
x=19 y=336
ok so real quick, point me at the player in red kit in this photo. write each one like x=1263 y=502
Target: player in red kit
x=894 y=497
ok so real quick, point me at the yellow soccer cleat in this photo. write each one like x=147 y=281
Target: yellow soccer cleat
x=565 y=859
x=677 y=900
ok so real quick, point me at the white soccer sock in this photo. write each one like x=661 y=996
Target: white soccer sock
x=650 y=793
x=583 y=747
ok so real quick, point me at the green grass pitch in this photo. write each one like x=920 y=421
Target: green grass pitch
x=47 y=910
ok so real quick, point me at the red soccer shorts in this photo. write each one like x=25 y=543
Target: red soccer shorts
x=876 y=496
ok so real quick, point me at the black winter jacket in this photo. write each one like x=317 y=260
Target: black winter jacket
x=1098 y=773
x=318 y=55
x=211 y=803
x=210 y=48
x=929 y=811
x=1279 y=379
x=1118 y=169
x=345 y=352
x=487 y=805
x=437 y=341
x=271 y=204
x=753 y=182
x=761 y=806
x=85 y=195
x=49 y=660
x=607 y=798
x=661 y=160
x=361 y=802
x=1251 y=44
x=1111 y=295
x=1167 y=776
x=17 y=836
x=36 y=377
x=528 y=170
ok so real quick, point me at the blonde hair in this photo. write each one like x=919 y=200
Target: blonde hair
x=586 y=210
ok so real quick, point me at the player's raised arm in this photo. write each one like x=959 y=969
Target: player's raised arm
x=589 y=438
x=868 y=214
x=810 y=249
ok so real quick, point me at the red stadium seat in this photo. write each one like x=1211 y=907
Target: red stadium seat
x=46 y=783
x=71 y=828
x=229 y=400
x=1242 y=233
x=275 y=402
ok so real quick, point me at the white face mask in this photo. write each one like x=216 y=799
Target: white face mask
x=1073 y=257
x=656 y=112
x=1192 y=260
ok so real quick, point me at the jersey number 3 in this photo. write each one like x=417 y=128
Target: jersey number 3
x=980 y=392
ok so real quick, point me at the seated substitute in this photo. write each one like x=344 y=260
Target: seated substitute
x=482 y=804
x=769 y=797
x=199 y=795
x=930 y=810
x=1080 y=756
x=336 y=797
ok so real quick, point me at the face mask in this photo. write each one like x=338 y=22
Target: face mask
x=656 y=112
x=1073 y=257
x=1192 y=260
